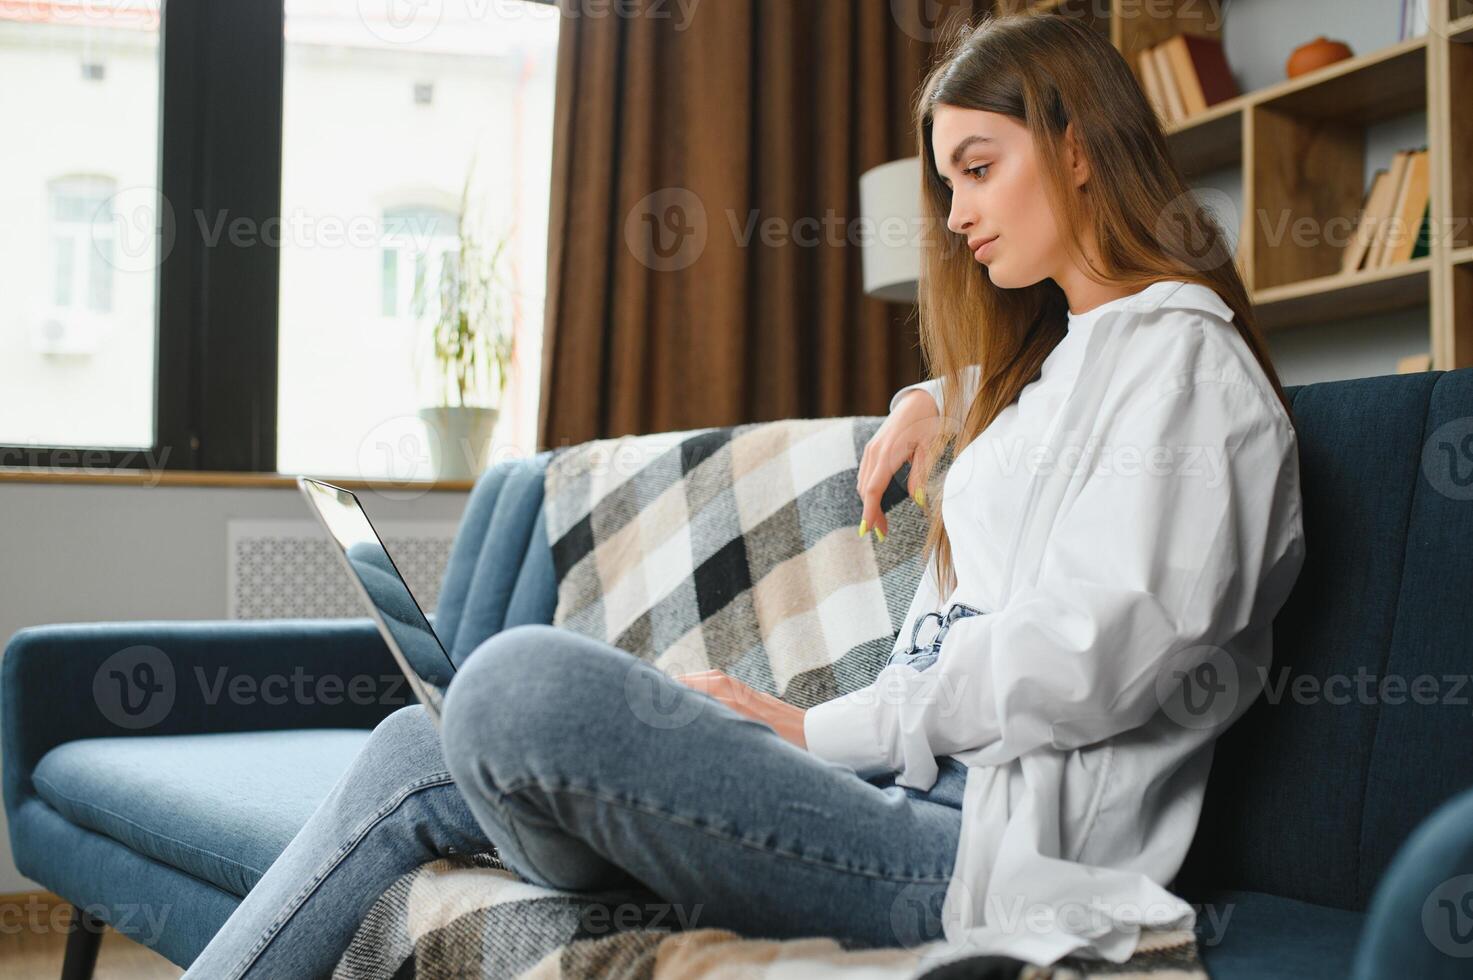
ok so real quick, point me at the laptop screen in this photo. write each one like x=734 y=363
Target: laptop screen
x=370 y=563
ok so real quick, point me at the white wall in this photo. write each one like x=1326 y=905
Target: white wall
x=77 y=553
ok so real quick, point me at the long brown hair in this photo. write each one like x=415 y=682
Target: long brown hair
x=1047 y=70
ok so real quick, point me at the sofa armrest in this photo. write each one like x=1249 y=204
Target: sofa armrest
x=1418 y=923
x=67 y=682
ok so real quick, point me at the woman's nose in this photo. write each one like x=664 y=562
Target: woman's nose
x=960 y=218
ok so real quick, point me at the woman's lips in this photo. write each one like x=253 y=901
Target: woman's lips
x=984 y=251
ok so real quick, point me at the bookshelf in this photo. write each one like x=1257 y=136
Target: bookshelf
x=1301 y=147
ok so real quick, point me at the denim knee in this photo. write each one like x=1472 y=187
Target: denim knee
x=404 y=743
x=518 y=697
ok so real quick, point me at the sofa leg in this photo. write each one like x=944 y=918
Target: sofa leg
x=82 y=943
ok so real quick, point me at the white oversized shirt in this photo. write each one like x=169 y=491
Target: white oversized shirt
x=1130 y=525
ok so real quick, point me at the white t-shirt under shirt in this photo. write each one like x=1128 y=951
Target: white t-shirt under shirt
x=1133 y=518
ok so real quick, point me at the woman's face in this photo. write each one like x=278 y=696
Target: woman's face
x=997 y=193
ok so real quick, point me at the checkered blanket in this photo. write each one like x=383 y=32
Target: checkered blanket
x=732 y=548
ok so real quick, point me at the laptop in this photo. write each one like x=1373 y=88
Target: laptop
x=403 y=624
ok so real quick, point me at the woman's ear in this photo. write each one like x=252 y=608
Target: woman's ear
x=1078 y=165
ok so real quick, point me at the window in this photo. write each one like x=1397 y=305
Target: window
x=393 y=129
x=416 y=241
x=82 y=243
x=78 y=314
x=230 y=225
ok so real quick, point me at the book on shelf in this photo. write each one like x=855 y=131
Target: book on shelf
x=1176 y=109
x=1185 y=75
x=1411 y=204
x=1151 y=84
x=1395 y=219
x=1382 y=217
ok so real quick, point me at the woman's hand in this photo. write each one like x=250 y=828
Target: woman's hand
x=902 y=438
x=783 y=718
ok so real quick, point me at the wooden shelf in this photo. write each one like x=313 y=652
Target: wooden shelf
x=1345 y=296
x=1209 y=140
x=1301 y=145
x=1380 y=85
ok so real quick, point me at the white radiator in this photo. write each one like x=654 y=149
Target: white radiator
x=287 y=568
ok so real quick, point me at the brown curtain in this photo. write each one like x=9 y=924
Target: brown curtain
x=702 y=268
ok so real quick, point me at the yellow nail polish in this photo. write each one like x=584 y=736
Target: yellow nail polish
x=921 y=496
x=863 y=526
x=880 y=535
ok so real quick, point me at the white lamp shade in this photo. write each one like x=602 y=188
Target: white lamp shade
x=890 y=203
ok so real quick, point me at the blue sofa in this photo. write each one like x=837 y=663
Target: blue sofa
x=1337 y=833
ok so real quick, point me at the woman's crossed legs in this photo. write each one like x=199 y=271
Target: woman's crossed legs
x=592 y=770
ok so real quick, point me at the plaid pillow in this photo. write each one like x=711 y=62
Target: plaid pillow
x=737 y=549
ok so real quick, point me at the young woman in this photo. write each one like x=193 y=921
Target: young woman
x=1114 y=537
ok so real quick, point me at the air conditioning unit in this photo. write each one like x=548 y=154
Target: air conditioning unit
x=62 y=331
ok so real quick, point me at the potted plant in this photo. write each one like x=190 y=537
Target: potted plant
x=471 y=344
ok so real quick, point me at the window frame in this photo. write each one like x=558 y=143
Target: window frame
x=220 y=134
x=217 y=307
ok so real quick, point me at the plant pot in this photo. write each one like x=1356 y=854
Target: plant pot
x=460 y=439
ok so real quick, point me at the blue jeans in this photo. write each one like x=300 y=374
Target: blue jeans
x=922 y=653
x=588 y=769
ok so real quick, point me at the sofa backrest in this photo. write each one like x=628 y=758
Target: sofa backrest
x=500 y=572
x=1316 y=786
x=1318 y=783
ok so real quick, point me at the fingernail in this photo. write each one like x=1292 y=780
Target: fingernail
x=921 y=496
x=863 y=526
x=880 y=535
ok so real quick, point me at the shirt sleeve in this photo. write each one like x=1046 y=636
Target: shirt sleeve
x=1190 y=504
x=932 y=386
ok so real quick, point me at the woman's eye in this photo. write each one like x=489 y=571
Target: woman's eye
x=973 y=170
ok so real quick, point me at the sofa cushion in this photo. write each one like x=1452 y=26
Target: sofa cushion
x=1243 y=934
x=219 y=806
